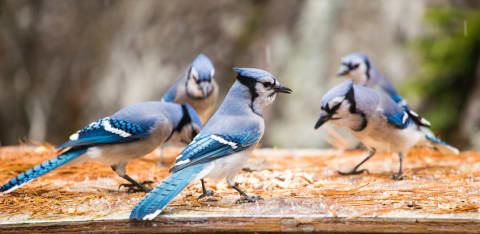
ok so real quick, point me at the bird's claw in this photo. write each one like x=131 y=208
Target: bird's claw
x=353 y=172
x=248 y=199
x=208 y=193
x=397 y=177
x=133 y=188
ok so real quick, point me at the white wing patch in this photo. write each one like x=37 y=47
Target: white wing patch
x=182 y=162
x=74 y=137
x=405 y=117
x=223 y=141
x=109 y=128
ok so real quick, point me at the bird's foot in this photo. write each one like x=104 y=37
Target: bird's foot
x=397 y=177
x=247 y=199
x=208 y=193
x=353 y=172
x=161 y=164
x=135 y=188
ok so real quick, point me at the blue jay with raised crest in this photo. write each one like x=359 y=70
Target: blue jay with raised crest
x=196 y=87
x=376 y=120
x=130 y=133
x=358 y=67
x=223 y=145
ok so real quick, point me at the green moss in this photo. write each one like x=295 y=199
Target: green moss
x=449 y=54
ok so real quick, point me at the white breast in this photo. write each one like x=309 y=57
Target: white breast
x=225 y=167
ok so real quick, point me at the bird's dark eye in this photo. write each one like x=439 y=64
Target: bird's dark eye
x=354 y=66
x=267 y=84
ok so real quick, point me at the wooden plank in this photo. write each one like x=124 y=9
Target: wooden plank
x=254 y=224
x=301 y=190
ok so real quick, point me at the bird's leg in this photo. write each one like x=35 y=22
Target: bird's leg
x=134 y=186
x=205 y=192
x=160 y=162
x=355 y=170
x=245 y=198
x=399 y=176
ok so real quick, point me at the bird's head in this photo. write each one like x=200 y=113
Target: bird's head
x=262 y=86
x=200 y=75
x=189 y=126
x=355 y=66
x=338 y=104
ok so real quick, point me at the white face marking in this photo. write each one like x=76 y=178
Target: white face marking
x=109 y=128
x=152 y=215
x=225 y=142
x=358 y=74
x=335 y=101
x=403 y=103
x=212 y=73
x=194 y=73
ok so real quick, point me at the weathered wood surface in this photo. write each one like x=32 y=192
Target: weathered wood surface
x=254 y=224
x=302 y=192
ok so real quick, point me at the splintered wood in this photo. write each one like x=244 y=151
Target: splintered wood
x=292 y=183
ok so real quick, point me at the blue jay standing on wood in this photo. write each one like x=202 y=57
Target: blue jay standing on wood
x=223 y=145
x=376 y=120
x=196 y=87
x=130 y=133
x=358 y=67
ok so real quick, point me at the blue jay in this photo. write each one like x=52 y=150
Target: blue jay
x=376 y=120
x=223 y=145
x=130 y=133
x=358 y=67
x=196 y=87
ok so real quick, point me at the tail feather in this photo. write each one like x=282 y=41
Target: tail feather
x=441 y=145
x=41 y=169
x=152 y=204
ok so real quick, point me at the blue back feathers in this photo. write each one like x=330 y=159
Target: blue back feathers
x=253 y=73
x=193 y=115
x=203 y=66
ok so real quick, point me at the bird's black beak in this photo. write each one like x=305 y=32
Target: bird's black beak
x=343 y=70
x=282 y=89
x=324 y=117
x=204 y=88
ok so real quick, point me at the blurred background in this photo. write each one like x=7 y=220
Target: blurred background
x=66 y=63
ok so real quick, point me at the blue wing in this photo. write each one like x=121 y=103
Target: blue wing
x=205 y=148
x=171 y=93
x=105 y=131
x=399 y=119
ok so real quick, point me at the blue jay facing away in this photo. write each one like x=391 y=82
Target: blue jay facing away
x=358 y=67
x=376 y=120
x=130 y=133
x=223 y=145
x=196 y=87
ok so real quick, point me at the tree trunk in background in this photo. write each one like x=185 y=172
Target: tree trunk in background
x=470 y=122
x=66 y=63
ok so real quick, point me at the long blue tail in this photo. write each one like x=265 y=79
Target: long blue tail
x=41 y=169
x=441 y=145
x=152 y=204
